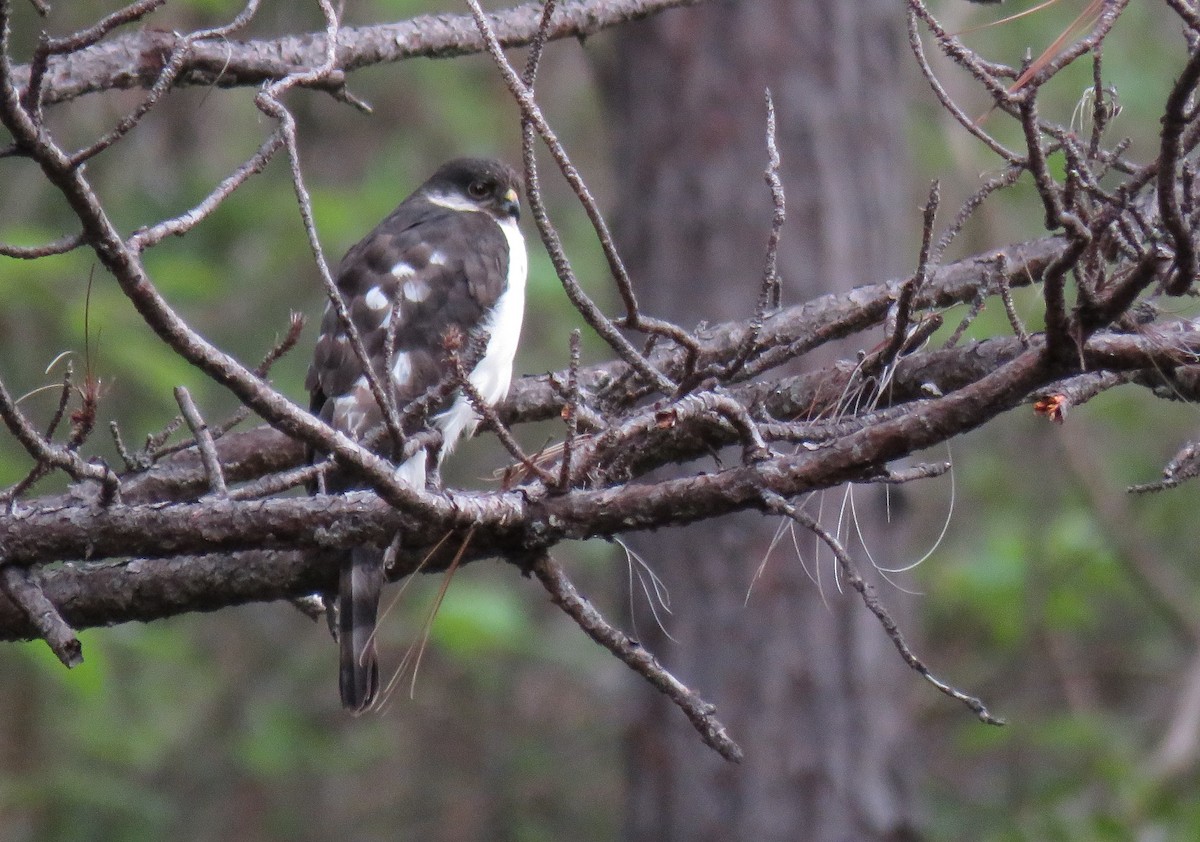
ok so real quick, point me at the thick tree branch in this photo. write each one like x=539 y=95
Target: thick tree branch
x=134 y=60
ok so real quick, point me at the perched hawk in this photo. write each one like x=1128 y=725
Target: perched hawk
x=448 y=261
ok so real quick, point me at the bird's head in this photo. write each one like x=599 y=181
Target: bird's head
x=477 y=184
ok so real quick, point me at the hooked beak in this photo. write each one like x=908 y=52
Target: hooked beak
x=511 y=204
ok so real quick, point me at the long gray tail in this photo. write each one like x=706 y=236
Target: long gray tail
x=358 y=606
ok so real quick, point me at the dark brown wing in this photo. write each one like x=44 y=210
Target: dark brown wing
x=430 y=269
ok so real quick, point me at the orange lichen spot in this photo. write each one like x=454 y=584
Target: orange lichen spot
x=1053 y=407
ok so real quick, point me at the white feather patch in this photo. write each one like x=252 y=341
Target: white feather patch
x=412 y=471
x=402 y=369
x=403 y=270
x=416 y=290
x=375 y=299
x=493 y=373
x=348 y=415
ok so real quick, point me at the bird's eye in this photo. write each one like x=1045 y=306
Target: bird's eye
x=477 y=189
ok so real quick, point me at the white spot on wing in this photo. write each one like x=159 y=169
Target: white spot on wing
x=348 y=415
x=402 y=369
x=416 y=290
x=438 y=258
x=403 y=270
x=375 y=299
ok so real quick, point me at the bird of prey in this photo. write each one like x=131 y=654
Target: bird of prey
x=449 y=263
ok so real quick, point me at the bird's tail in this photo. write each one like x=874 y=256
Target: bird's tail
x=358 y=605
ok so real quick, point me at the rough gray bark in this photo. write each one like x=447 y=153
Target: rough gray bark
x=806 y=682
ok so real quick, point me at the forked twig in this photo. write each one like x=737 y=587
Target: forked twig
x=50 y=455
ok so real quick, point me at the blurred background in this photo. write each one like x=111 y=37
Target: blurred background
x=1045 y=595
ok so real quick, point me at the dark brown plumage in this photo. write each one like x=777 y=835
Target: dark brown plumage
x=449 y=259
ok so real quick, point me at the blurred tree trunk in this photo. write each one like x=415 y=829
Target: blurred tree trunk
x=802 y=673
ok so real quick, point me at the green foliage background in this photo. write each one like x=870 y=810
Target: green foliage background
x=226 y=725
x=1031 y=599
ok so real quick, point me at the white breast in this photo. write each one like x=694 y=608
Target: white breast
x=493 y=373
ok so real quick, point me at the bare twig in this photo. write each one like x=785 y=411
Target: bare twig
x=1055 y=59
x=771 y=288
x=19 y=586
x=908 y=292
x=925 y=470
x=781 y=506
x=59 y=246
x=159 y=449
x=973 y=311
x=536 y=47
x=955 y=50
x=1104 y=109
x=155 y=441
x=166 y=78
x=1185 y=10
x=274 y=484
x=1047 y=188
x=531 y=112
x=1010 y=309
x=699 y=712
x=1184 y=465
x=296 y=321
x=570 y=412
x=131 y=463
x=31 y=100
x=64 y=397
x=180 y=225
x=1006 y=179
x=204 y=442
